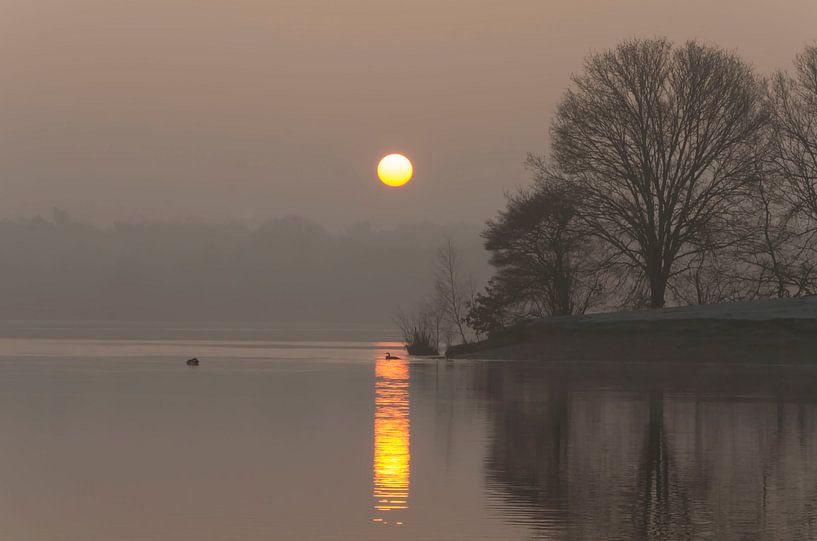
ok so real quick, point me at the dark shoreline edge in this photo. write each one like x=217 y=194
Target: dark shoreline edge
x=756 y=332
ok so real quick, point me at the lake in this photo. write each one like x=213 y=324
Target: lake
x=117 y=439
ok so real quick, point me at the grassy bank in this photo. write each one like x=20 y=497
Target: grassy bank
x=769 y=331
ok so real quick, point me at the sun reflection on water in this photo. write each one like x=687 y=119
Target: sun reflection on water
x=392 y=456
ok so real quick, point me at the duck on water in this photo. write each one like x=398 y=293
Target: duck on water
x=193 y=362
x=390 y=357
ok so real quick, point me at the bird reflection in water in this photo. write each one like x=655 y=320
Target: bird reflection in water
x=392 y=456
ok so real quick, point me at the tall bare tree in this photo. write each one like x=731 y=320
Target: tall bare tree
x=452 y=286
x=794 y=122
x=658 y=140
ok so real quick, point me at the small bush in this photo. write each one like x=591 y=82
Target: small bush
x=418 y=333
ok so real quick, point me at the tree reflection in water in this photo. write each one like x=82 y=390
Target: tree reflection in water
x=600 y=452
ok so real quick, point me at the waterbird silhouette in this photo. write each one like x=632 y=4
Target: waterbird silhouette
x=193 y=362
x=390 y=357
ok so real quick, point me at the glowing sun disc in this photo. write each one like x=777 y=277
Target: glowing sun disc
x=394 y=170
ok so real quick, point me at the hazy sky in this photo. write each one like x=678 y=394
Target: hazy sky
x=246 y=109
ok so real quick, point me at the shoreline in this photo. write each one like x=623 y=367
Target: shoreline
x=750 y=332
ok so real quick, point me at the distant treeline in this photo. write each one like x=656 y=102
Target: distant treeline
x=288 y=269
x=676 y=175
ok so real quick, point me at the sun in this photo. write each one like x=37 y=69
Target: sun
x=394 y=170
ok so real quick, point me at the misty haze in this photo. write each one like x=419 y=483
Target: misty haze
x=155 y=110
x=287 y=270
x=408 y=269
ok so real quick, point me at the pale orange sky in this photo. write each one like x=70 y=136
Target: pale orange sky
x=247 y=109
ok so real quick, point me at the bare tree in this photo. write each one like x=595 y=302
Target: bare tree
x=657 y=140
x=782 y=250
x=451 y=285
x=794 y=121
x=435 y=313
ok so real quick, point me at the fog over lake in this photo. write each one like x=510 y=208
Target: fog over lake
x=291 y=271
x=293 y=439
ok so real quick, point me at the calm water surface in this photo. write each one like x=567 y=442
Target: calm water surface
x=117 y=439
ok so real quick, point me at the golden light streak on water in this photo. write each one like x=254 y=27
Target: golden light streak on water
x=392 y=454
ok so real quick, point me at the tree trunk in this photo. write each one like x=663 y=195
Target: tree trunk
x=658 y=287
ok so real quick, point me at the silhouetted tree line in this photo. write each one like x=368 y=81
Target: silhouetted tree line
x=677 y=175
x=288 y=269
